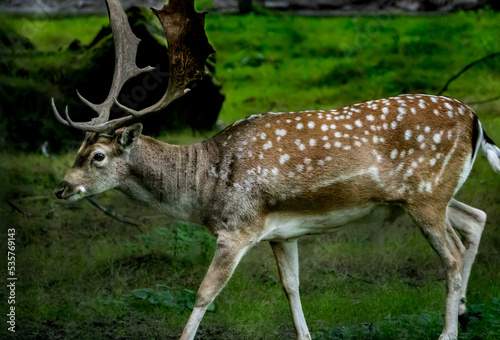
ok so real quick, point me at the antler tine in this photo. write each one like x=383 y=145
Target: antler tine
x=89 y=126
x=56 y=113
x=188 y=49
x=126 y=45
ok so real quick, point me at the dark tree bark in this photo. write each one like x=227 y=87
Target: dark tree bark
x=244 y=6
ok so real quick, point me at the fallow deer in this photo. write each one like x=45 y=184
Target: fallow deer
x=278 y=176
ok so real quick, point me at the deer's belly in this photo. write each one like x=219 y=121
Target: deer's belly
x=290 y=225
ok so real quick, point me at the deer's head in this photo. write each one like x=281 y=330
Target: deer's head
x=101 y=160
x=100 y=163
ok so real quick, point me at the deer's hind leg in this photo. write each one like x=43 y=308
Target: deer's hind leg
x=469 y=222
x=433 y=222
x=287 y=259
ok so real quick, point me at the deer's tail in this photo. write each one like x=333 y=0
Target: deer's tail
x=491 y=151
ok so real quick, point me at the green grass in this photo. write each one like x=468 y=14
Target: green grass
x=287 y=63
x=50 y=34
x=85 y=276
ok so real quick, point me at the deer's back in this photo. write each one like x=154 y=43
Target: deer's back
x=389 y=150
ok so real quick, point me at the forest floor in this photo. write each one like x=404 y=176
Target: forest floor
x=82 y=275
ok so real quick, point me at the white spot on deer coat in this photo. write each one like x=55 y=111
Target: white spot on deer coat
x=394 y=153
x=284 y=158
x=407 y=134
x=437 y=138
x=324 y=127
x=311 y=125
x=377 y=155
x=300 y=126
x=268 y=145
x=428 y=187
x=408 y=173
x=281 y=132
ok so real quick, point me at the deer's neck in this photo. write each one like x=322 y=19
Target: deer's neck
x=169 y=178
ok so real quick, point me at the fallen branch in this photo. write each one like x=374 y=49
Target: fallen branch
x=15 y=207
x=114 y=215
x=490 y=56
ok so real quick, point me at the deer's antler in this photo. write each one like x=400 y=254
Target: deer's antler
x=188 y=48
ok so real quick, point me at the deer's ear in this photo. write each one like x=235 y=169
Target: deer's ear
x=130 y=135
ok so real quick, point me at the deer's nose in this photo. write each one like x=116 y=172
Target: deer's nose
x=62 y=189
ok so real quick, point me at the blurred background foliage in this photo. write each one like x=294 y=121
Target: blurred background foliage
x=85 y=276
x=38 y=62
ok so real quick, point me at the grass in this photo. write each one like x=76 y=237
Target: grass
x=50 y=34
x=304 y=63
x=85 y=276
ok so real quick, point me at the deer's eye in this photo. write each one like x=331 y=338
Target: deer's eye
x=99 y=157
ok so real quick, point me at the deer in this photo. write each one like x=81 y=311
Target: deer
x=277 y=176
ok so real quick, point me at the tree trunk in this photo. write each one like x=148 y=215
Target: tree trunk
x=244 y=6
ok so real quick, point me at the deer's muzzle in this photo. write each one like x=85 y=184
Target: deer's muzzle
x=64 y=190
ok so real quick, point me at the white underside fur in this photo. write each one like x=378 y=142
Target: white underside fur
x=282 y=226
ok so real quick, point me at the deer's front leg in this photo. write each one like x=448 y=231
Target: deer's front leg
x=287 y=259
x=231 y=246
